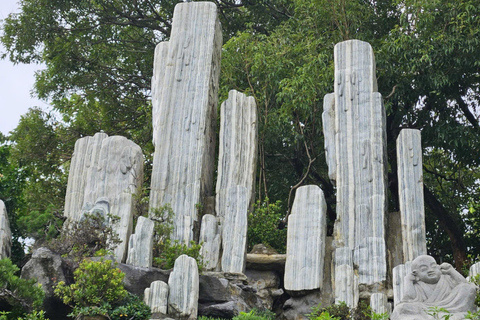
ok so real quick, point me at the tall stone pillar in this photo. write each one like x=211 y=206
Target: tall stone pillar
x=355 y=141
x=5 y=233
x=410 y=191
x=185 y=86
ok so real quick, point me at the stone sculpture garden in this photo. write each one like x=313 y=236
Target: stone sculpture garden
x=371 y=256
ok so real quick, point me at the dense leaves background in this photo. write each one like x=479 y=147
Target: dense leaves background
x=99 y=55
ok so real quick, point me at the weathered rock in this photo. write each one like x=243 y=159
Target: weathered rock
x=306 y=240
x=269 y=262
x=296 y=308
x=156 y=297
x=237 y=147
x=379 y=303
x=137 y=279
x=211 y=238
x=370 y=256
x=266 y=285
x=105 y=174
x=410 y=190
x=346 y=281
x=48 y=269
x=5 y=233
x=355 y=140
x=234 y=233
x=141 y=244
x=399 y=273
x=184 y=289
x=430 y=285
x=184 y=114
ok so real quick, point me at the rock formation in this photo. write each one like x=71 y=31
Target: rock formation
x=156 y=297
x=184 y=288
x=306 y=240
x=355 y=143
x=410 y=190
x=185 y=85
x=211 y=238
x=105 y=174
x=346 y=281
x=140 y=245
x=5 y=233
x=234 y=233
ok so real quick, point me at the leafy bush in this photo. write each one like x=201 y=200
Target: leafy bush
x=166 y=251
x=342 y=312
x=255 y=314
x=131 y=308
x=21 y=294
x=263 y=225
x=97 y=285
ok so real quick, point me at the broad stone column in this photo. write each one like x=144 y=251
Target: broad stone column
x=184 y=289
x=234 y=233
x=105 y=174
x=211 y=239
x=379 y=303
x=156 y=297
x=306 y=240
x=5 y=233
x=355 y=140
x=410 y=191
x=140 y=246
x=346 y=281
x=184 y=114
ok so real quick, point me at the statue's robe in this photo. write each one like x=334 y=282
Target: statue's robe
x=456 y=297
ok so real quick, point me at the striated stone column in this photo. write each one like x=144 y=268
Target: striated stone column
x=346 y=281
x=234 y=233
x=355 y=140
x=474 y=270
x=379 y=303
x=5 y=233
x=410 y=191
x=184 y=288
x=306 y=240
x=211 y=239
x=184 y=114
x=140 y=245
x=105 y=174
x=399 y=273
x=156 y=297
x=371 y=255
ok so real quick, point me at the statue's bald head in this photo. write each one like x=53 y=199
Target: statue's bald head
x=422 y=260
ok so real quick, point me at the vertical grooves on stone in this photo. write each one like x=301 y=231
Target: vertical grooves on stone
x=5 y=233
x=410 y=189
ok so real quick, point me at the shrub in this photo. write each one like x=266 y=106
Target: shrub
x=131 y=308
x=255 y=314
x=263 y=225
x=97 y=285
x=342 y=312
x=21 y=294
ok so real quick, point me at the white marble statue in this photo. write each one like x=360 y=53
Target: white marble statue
x=431 y=288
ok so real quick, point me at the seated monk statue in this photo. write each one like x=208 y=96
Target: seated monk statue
x=431 y=285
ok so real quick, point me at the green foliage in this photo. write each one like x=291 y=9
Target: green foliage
x=263 y=225
x=204 y=318
x=166 y=251
x=23 y=295
x=255 y=314
x=343 y=312
x=35 y=315
x=132 y=308
x=97 y=285
x=439 y=313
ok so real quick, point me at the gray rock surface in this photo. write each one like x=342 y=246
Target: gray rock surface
x=306 y=240
x=346 y=281
x=211 y=238
x=105 y=174
x=410 y=190
x=354 y=124
x=184 y=289
x=140 y=245
x=398 y=274
x=297 y=308
x=156 y=297
x=266 y=285
x=432 y=285
x=137 y=279
x=379 y=303
x=184 y=114
x=234 y=233
x=5 y=233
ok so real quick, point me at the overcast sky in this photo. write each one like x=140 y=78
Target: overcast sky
x=16 y=83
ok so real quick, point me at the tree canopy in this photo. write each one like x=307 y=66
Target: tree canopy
x=99 y=56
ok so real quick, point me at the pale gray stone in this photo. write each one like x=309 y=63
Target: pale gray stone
x=266 y=285
x=474 y=270
x=5 y=233
x=211 y=238
x=234 y=233
x=156 y=297
x=184 y=114
x=379 y=303
x=355 y=139
x=346 y=281
x=140 y=248
x=184 y=289
x=432 y=285
x=306 y=234
x=237 y=147
x=410 y=190
x=105 y=174
x=399 y=273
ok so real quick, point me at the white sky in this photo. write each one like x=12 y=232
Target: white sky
x=16 y=82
